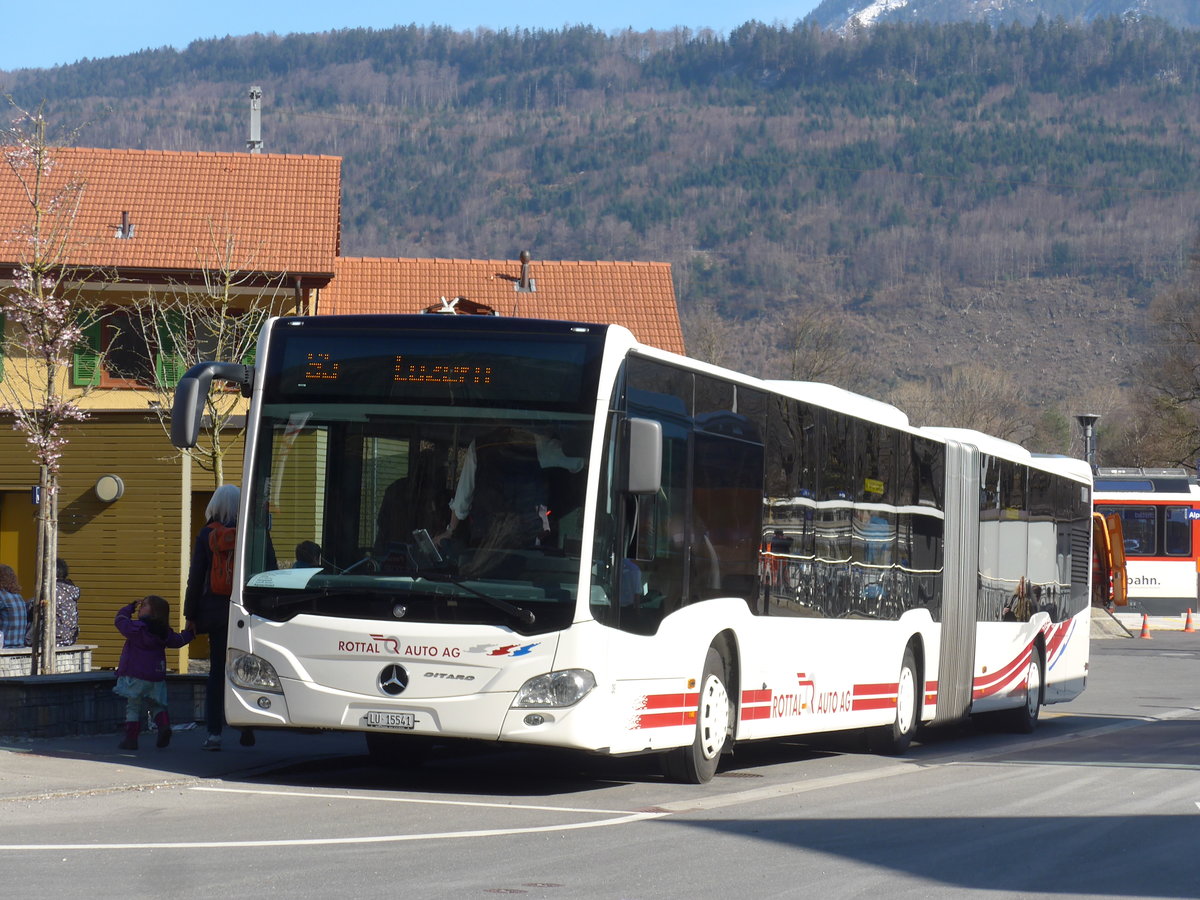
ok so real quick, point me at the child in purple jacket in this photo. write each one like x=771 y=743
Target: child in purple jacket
x=142 y=671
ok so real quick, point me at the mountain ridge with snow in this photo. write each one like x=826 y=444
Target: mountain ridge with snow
x=841 y=15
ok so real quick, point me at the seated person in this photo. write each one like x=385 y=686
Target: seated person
x=504 y=489
x=308 y=556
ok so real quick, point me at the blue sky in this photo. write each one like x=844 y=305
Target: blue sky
x=54 y=32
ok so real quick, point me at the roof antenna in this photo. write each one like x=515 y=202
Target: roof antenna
x=254 y=145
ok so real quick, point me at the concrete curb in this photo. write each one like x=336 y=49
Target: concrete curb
x=1106 y=625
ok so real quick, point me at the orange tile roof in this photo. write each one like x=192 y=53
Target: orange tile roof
x=282 y=211
x=638 y=295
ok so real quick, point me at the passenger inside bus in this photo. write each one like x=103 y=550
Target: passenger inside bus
x=504 y=495
x=411 y=501
x=308 y=556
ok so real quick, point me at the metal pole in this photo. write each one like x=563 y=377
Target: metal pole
x=1087 y=422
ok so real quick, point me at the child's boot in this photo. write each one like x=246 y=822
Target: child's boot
x=129 y=742
x=163 y=722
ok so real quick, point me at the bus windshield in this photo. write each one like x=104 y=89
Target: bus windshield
x=423 y=478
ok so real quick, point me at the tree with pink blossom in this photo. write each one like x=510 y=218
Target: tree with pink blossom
x=45 y=314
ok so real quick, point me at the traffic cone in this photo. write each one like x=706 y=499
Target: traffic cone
x=1145 y=626
x=1187 y=625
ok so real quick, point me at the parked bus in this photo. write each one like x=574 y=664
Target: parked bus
x=547 y=533
x=1160 y=519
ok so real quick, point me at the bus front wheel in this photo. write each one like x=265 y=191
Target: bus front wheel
x=697 y=763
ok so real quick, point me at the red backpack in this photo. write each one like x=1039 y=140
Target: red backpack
x=221 y=539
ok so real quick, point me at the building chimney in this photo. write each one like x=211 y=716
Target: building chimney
x=254 y=145
x=525 y=284
x=126 y=228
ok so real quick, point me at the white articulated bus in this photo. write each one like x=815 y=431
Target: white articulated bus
x=470 y=527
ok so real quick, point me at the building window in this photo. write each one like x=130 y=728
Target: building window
x=118 y=352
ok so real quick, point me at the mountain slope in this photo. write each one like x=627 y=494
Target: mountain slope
x=840 y=14
x=1012 y=197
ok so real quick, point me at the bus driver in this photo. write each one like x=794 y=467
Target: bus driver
x=504 y=490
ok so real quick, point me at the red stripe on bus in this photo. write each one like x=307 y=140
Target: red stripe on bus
x=669 y=701
x=1058 y=636
x=873 y=703
x=761 y=696
x=990 y=683
x=667 y=719
x=861 y=689
x=755 y=712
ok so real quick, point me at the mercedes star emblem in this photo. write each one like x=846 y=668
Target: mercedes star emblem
x=393 y=679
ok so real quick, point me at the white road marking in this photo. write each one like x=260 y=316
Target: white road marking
x=329 y=842
x=380 y=799
x=787 y=790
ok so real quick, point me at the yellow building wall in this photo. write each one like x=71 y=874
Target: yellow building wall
x=120 y=551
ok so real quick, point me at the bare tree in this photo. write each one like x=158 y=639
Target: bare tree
x=218 y=319
x=805 y=345
x=1170 y=377
x=987 y=400
x=814 y=348
x=48 y=309
x=707 y=335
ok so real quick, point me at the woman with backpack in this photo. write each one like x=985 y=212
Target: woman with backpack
x=206 y=603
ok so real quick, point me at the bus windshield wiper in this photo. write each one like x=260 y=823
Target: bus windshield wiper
x=522 y=615
x=280 y=599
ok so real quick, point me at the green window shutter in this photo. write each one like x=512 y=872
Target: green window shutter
x=168 y=364
x=248 y=359
x=85 y=364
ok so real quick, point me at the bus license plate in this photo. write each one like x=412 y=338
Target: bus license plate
x=405 y=721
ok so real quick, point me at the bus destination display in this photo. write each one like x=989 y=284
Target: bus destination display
x=432 y=368
x=323 y=367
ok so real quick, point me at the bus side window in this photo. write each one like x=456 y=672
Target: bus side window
x=1177 y=532
x=664 y=394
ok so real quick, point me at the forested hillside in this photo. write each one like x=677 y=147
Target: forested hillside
x=1010 y=197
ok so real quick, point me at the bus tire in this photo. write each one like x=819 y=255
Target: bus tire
x=404 y=751
x=697 y=763
x=1024 y=719
x=893 y=739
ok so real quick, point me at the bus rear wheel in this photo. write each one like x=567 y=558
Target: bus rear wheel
x=697 y=763
x=1024 y=719
x=893 y=740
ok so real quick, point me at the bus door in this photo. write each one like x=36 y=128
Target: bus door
x=1109 y=579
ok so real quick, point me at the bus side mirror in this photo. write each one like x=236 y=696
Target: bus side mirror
x=643 y=456
x=192 y=391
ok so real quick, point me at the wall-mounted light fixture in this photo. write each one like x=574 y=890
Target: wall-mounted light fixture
x=110 y=488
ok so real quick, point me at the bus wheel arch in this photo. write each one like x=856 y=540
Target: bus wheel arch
x=894 y=739
x=716 y=713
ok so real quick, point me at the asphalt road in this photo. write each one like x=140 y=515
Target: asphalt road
x=1102 y=801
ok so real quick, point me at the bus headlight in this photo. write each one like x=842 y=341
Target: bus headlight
x=555 y=689
x=252 y=672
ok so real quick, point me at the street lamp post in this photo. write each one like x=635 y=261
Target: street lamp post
x=1087 y=421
